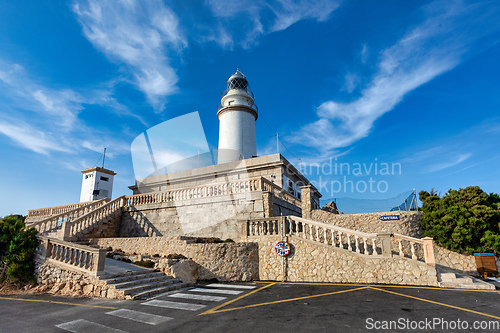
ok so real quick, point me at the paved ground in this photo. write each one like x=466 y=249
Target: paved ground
x=261 y=307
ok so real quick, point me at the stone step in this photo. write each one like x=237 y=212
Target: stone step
x=474 y=285
x=129 y=276
x=154 y=291
x=458 y=280
x=132 y=283
x=147 y=286
x=447 y=275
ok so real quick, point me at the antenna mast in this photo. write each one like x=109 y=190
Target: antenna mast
x=103 y=158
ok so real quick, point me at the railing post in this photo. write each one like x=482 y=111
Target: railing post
x=64 y=232
x=46 y=248
x=430 y=259
x=99 y=261
x=307 y=201
x=267 y=198
x=385 y=242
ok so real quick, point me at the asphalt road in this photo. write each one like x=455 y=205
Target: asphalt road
x=262 y=307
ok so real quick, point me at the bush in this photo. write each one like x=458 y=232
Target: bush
x=176 y=256
x=467 y=220
x=145 y=263
x=17 y=250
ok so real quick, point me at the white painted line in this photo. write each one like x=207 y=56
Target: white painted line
x=198 y=297
x=236 y=286
x=218 y=291
x=175 y=305
x=85 y=326
x=141 y=317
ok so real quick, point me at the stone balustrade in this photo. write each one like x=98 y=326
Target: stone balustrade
x=415 y=248
x=70 y=229
x=278 y=192
x=72 y=256
x=367 y=244
x=211 y=190
x=54 y=222
x=56 y=210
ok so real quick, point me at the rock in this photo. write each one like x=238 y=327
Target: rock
x=185 y=270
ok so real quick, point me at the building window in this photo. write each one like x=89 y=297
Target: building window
x=89 y=176
x=104 y=178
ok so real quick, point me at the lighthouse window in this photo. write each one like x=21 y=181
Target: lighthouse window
x=230 y=102
x=88 y=176
x=104 y=179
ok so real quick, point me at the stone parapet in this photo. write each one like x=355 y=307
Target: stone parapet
x=221 y=261
x=408 y=223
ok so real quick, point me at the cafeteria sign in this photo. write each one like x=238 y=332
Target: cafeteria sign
x=389 y=218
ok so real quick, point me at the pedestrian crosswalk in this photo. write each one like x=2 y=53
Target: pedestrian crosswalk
x=193 y=299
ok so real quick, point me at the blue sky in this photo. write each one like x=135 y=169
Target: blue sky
x=409 y=83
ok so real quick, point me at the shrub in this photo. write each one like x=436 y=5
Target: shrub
x=145 y=263
x=176 y=256
x=17 y=250
x=467 y=220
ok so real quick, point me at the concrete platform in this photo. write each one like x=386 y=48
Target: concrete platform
x=116 y=267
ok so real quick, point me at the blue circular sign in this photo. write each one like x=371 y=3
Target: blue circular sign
x=282 y=249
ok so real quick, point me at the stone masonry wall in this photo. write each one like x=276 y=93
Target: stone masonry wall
x=408 y=223
x=458 y=262
x=311 y=262
x=56 y=280
x=215 y=217
x=222 y=261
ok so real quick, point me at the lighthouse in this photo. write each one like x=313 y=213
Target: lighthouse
x=237 y=114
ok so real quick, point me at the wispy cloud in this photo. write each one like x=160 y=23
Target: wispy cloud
x=450 y=163
x=33 y=139
x=427 y=51
x=243 y=22
x=44 y=120
x=138 y=34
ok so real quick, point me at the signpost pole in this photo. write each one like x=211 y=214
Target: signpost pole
x=282 y=239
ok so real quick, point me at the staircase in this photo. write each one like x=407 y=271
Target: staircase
x=142 y=284
x=454 y=280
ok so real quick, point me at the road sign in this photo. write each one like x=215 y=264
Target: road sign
x=282 y=249
x=389 y=217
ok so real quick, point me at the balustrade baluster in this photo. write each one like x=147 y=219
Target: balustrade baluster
x=413 y=254
x=365 y=248
x=325 y=240
x=349 y=243
x=357 y=243
x=374 y=247
x=401 y=253
x=341 y=243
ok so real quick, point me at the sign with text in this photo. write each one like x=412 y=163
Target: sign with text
x=389 y=218
x=282 y=249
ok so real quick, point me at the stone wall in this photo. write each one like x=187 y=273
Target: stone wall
x=312 y=262
x=214 y=216
x=222 y=261
x=408 y=223
x=462 y=263
x=56 y=280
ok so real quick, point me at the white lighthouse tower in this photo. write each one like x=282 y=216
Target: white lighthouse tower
x=237 y=115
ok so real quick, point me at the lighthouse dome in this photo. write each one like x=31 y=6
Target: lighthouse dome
x=237 y=81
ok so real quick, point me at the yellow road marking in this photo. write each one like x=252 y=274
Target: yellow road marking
x=283 y=300
x=383 y=286
x=438 y=303
x=213 y=310
x=57 y=302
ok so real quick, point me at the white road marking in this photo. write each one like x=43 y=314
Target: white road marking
x=198 y=297
x=175 y=305
x=85 y=326
x=142 y=317
x=236 y=286
x=217 y=291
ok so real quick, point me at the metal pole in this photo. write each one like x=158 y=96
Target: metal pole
x=282 y=258
x=277 y=142
x=103 y=158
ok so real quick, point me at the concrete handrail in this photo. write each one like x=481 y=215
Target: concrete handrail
x=72 y=256
x=70 y=229
x=54 y=222
x=55 y=210
x=210 y=190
